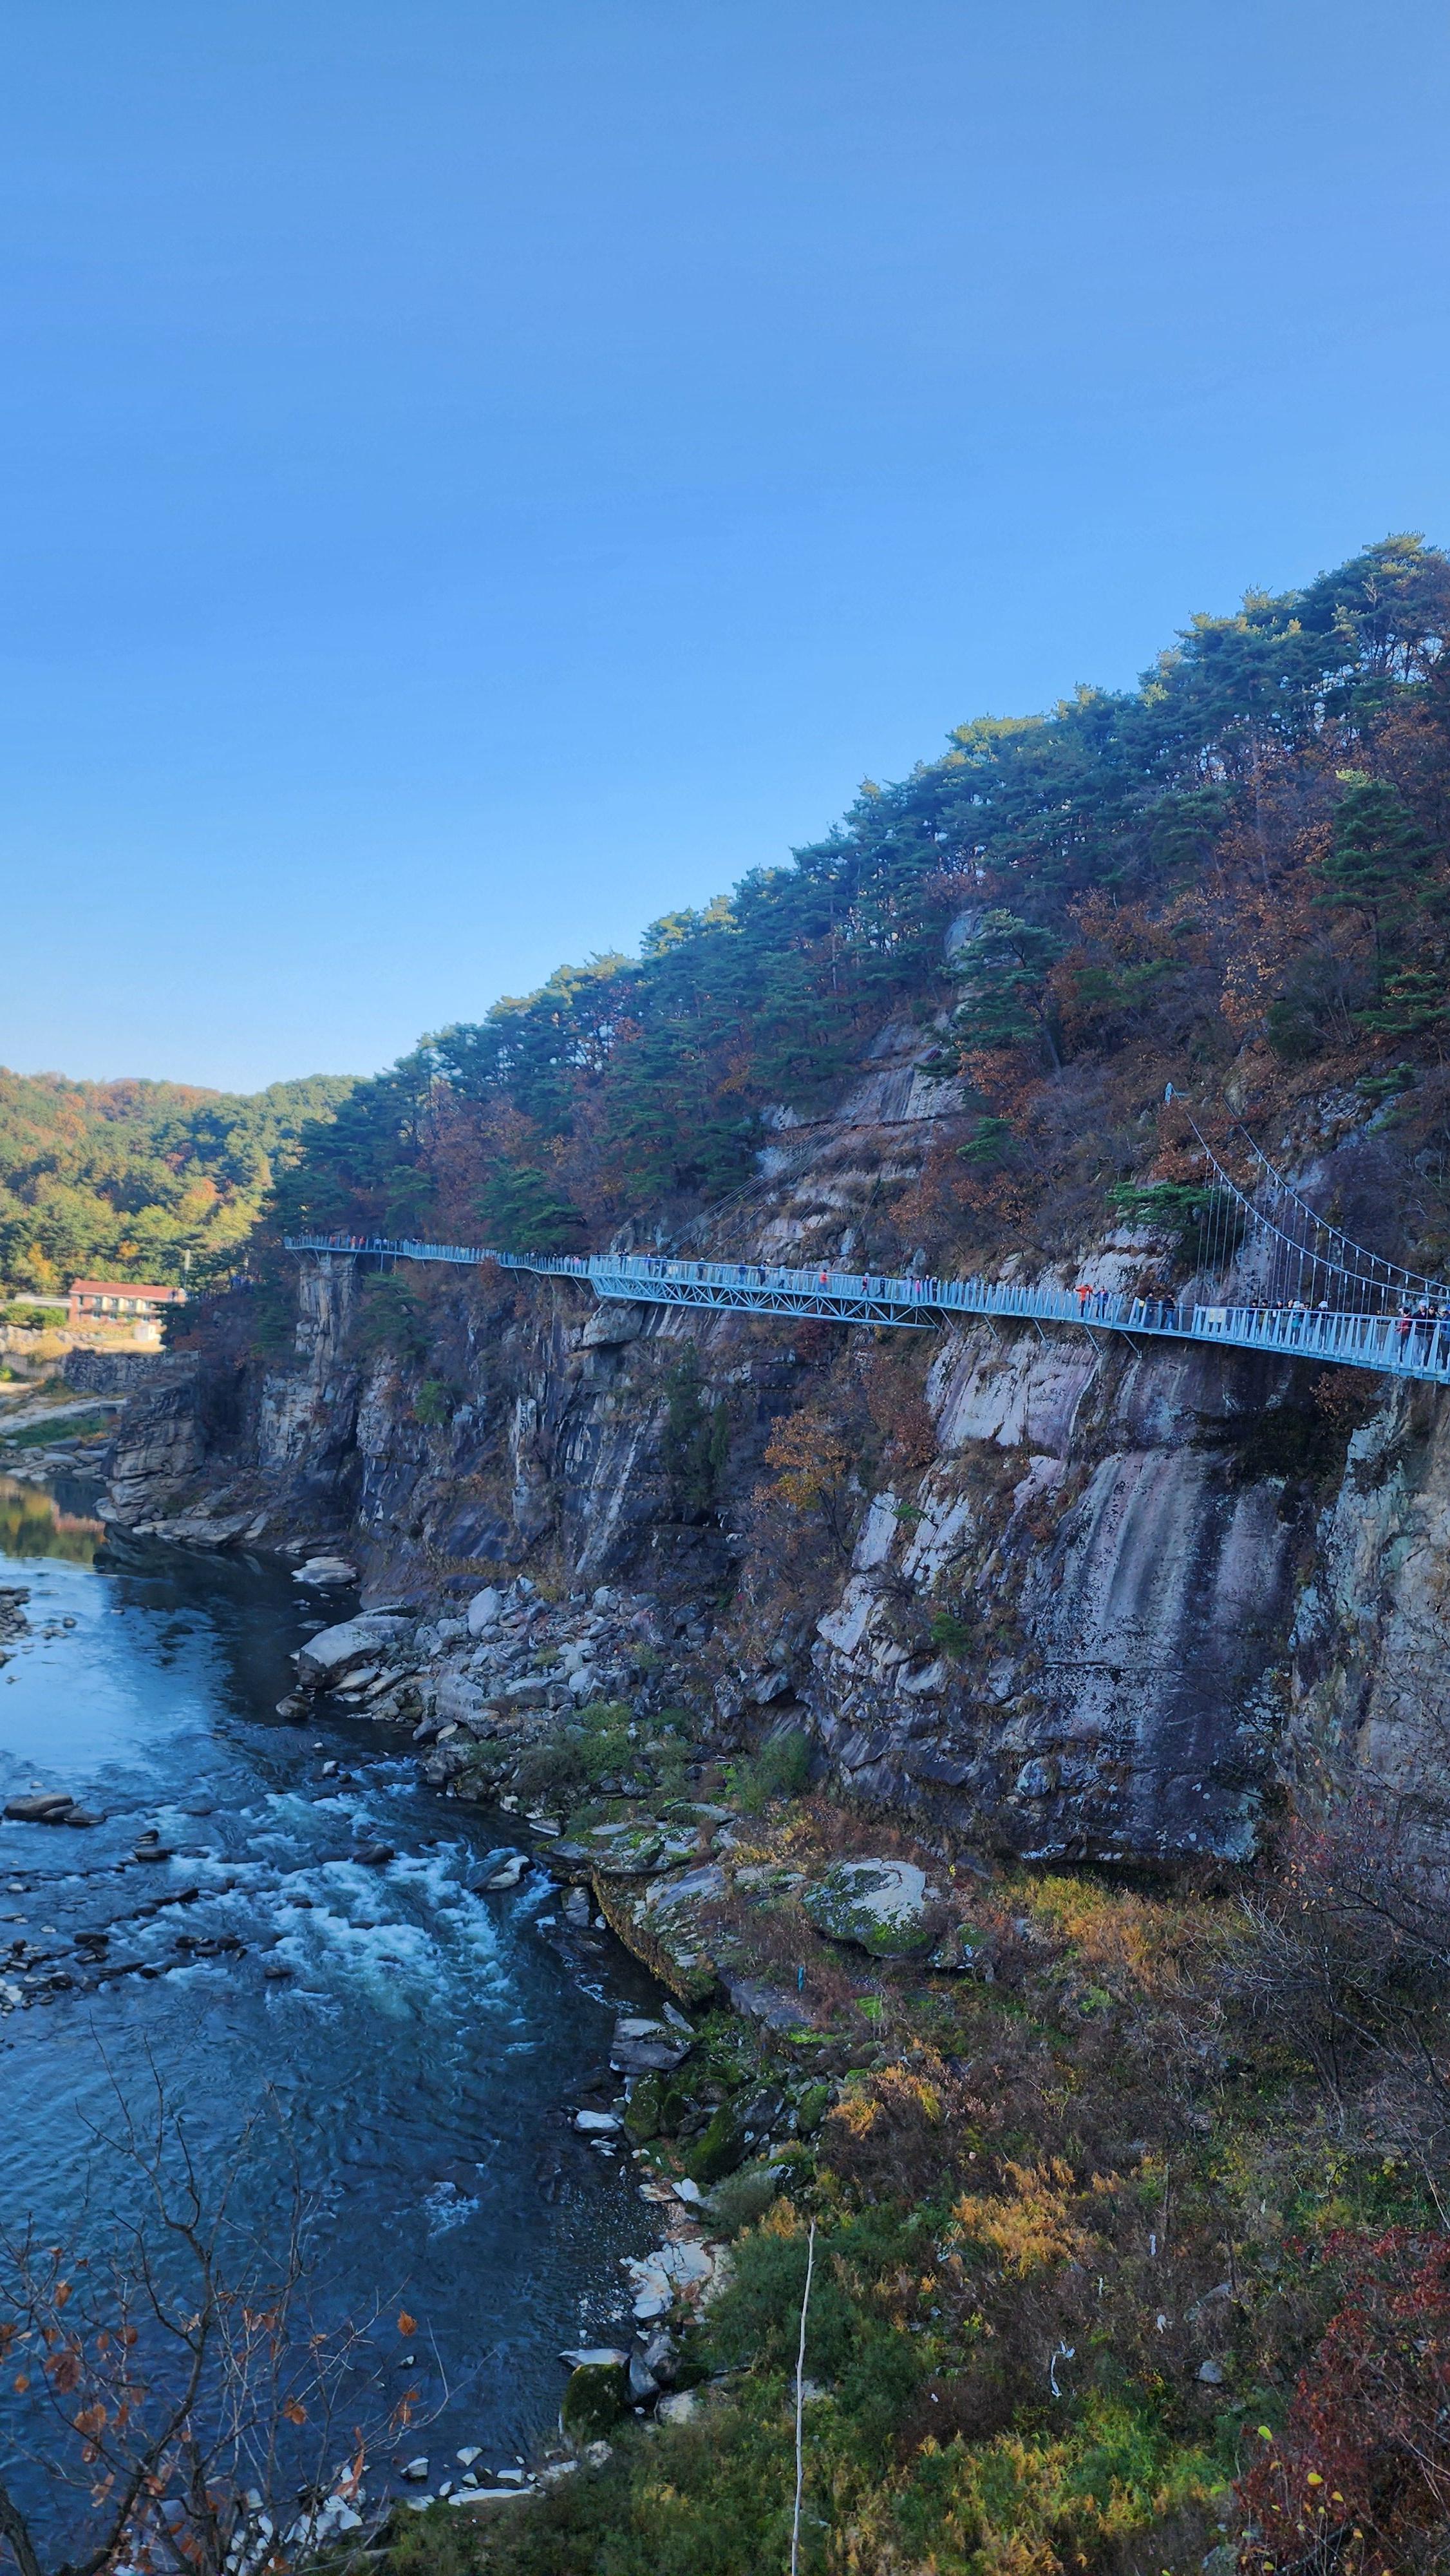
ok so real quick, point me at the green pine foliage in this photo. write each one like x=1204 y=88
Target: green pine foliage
x=1286 y=768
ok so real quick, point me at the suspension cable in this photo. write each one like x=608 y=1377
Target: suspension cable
x=1396 y=1279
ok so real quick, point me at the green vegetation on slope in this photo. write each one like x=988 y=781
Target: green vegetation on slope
x=1129 y=2250
x=127 y=1178
x=1241 y=862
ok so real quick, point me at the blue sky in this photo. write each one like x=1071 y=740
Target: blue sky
x=475 y=477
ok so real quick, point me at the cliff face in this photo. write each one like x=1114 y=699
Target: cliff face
x=1118 y=1592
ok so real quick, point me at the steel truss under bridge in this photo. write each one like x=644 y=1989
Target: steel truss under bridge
x=1258 y=1251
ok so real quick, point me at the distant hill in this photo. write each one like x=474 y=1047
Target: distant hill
x=130 y=1177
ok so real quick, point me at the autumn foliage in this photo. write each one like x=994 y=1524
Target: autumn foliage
x=1360 y=2477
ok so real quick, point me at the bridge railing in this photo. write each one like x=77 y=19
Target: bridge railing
x=1407 y=1345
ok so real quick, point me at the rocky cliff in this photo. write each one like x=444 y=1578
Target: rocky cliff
x=1058 y=1594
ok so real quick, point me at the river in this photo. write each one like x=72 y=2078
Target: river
x=419 y=2058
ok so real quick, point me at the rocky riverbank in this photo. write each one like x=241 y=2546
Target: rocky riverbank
x=766 y=1918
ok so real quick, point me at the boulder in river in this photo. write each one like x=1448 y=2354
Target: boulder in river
x=44 y=1807
x=328 y=1658
x=506 y=1874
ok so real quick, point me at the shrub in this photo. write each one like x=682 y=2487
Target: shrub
x=553 y=1771
x=389 y=1317
x=433 y=1404
x=743 y=2198
x=950 y=1633
x=1366 y=2448
x=781 y=1769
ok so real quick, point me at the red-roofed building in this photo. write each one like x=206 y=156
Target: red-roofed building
x=119 y=1301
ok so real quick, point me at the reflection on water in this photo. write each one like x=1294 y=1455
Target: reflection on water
x=35 y=1523
x=313 y=1935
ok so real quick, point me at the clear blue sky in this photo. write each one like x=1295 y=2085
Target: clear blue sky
x=477 y=474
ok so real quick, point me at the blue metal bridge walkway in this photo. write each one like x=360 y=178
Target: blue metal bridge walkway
x=1371 y=1314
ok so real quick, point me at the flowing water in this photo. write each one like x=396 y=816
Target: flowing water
x=416 y=2065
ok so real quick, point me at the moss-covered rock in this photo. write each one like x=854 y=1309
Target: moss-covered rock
x=882 y=1906
x=738 y=2127
x=811 y=2109
x=595 y=2399
x=642 y=2110
x=719 y=2149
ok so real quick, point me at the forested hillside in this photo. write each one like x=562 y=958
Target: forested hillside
x=1093 y=2209
x=1236 y=876
x=129 y=1177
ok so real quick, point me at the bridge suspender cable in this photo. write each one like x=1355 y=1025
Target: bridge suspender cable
x=1330 y=1251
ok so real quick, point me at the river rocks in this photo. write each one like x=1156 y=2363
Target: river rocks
x=13 y=1622
x=42 y=1807
x=643 y=2047
x=506 y=1875
x=375 y=1856
x=326 y=1570
x=634 y=1850
x=881 y=1906
x=201 y=1528
x=654 y=2101
x=597 y=2124
x=680 y=2269
x=334 y=1654
x=460 y=1702
x=596 y=2356
x=444 y=1766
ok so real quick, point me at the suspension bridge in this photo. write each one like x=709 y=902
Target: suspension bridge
x=1270 y=1275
